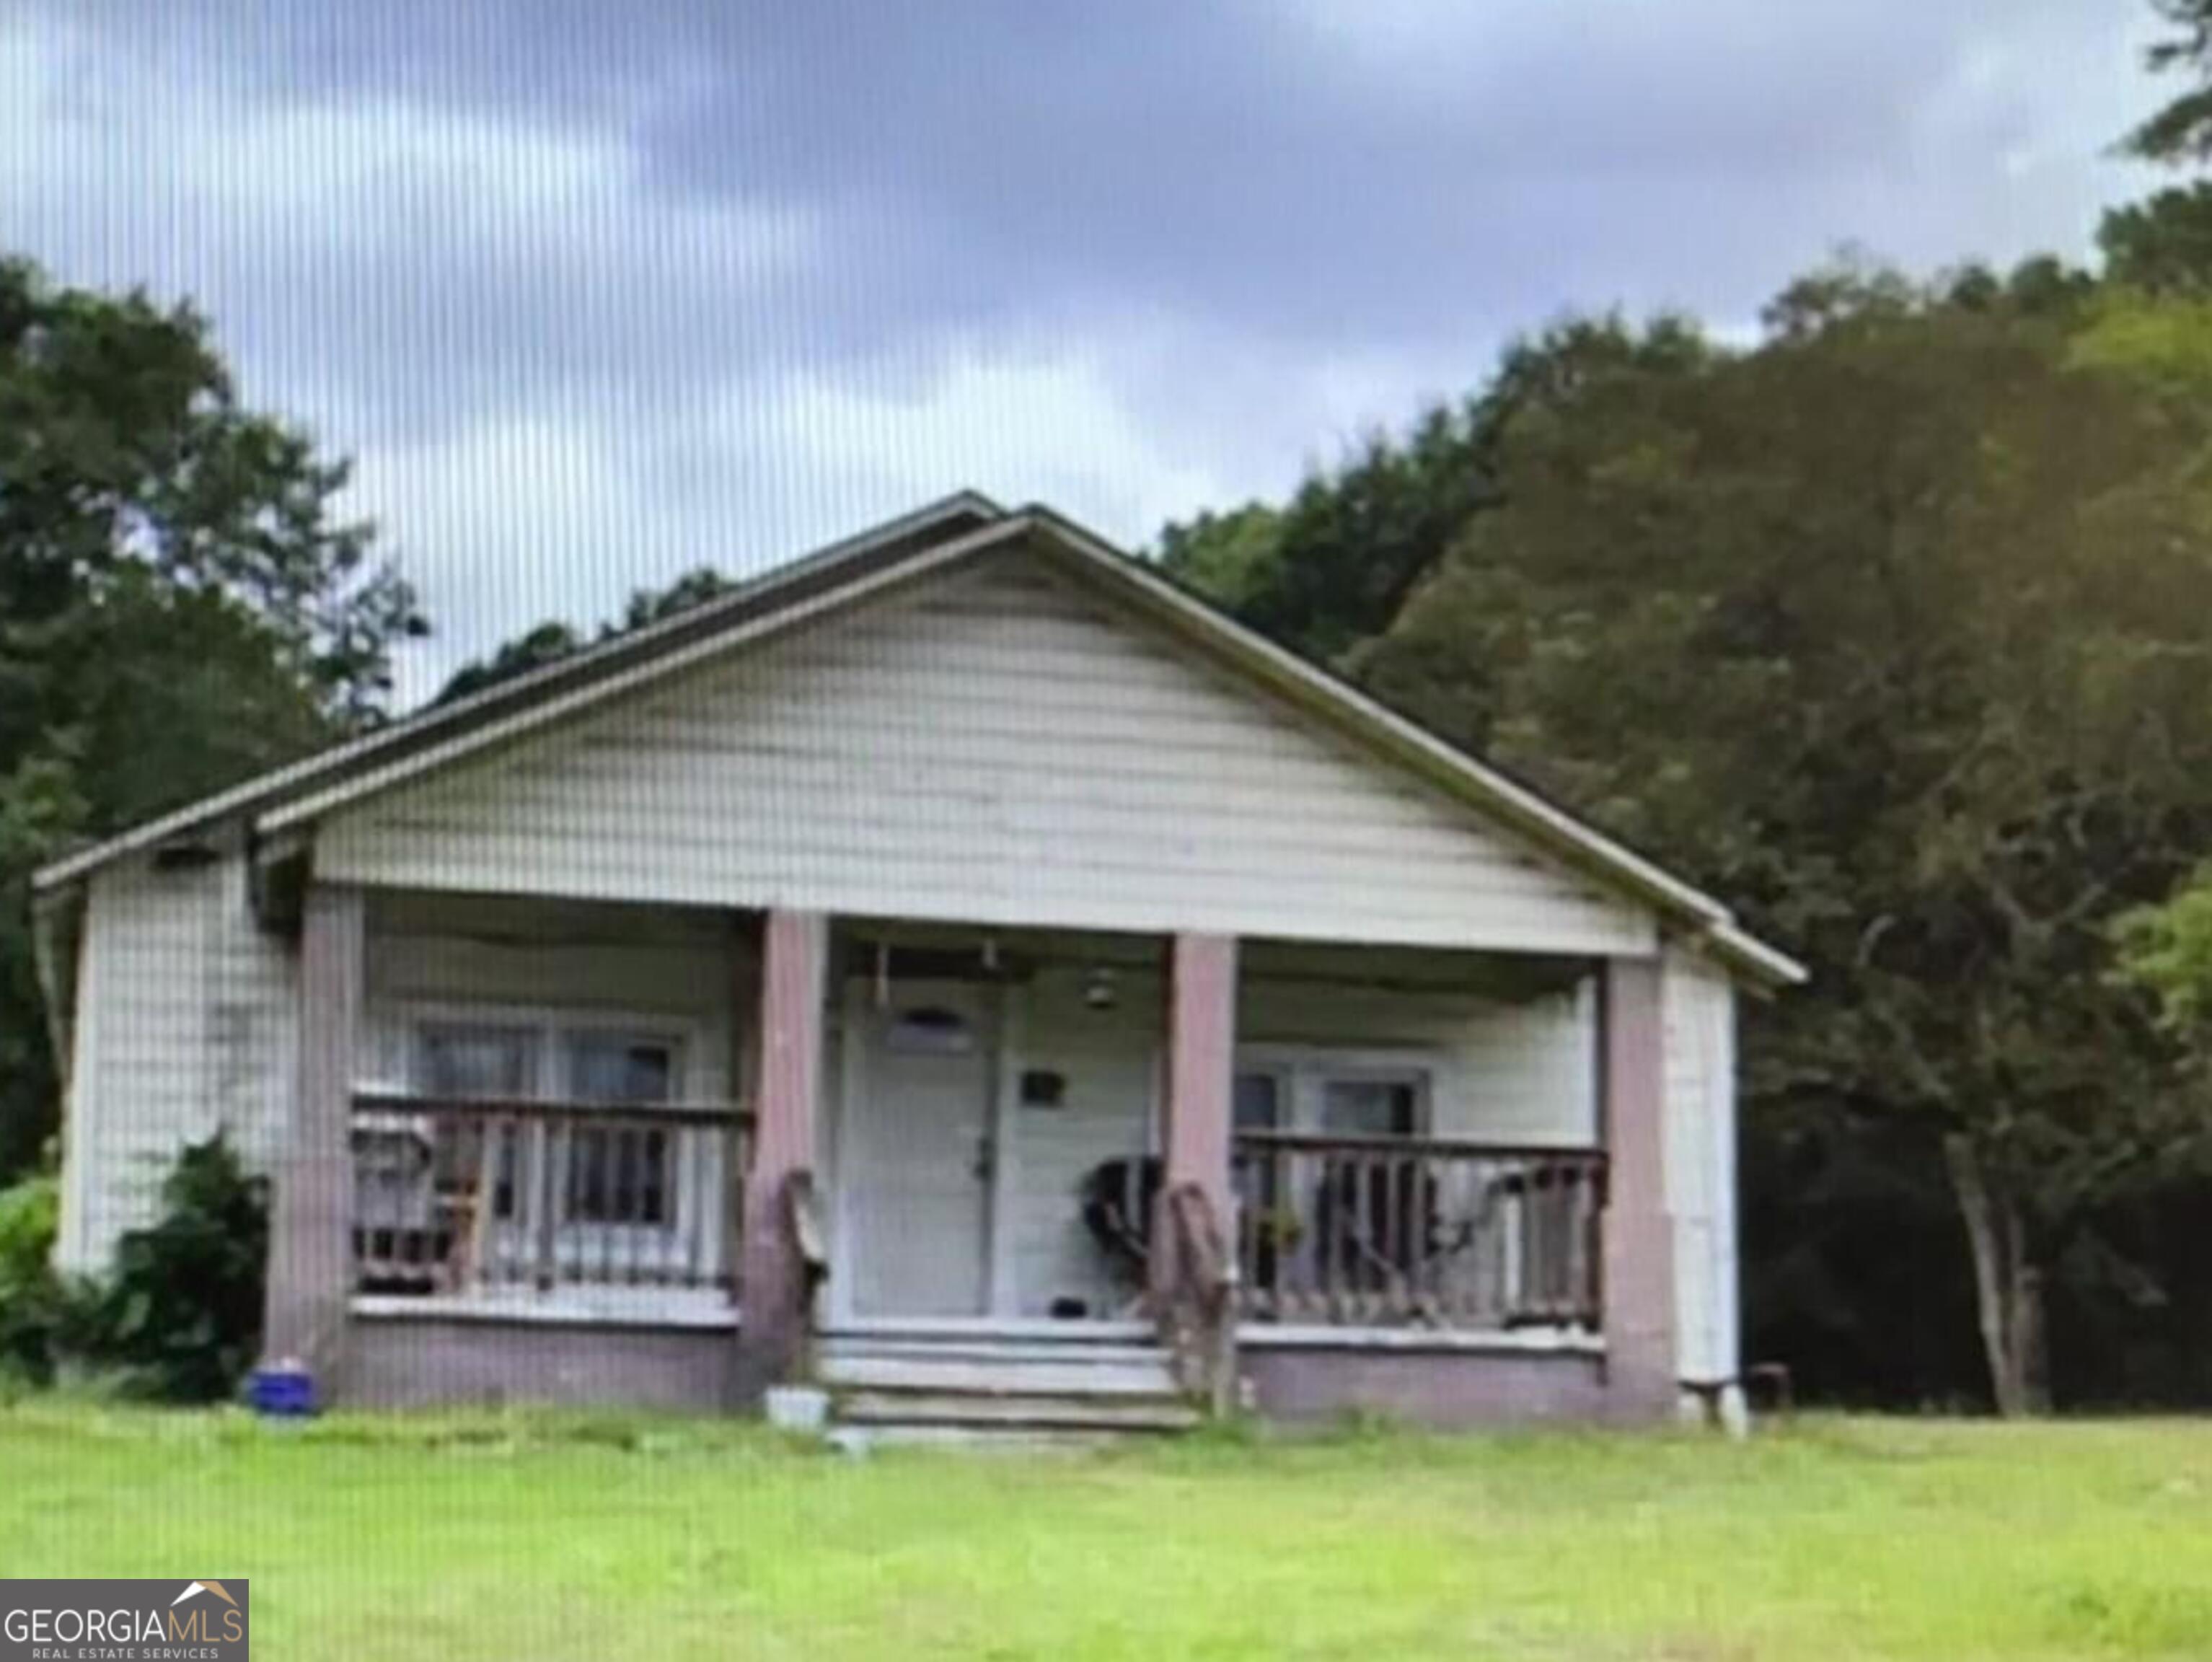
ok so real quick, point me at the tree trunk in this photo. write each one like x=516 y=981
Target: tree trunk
x=2007 y=1285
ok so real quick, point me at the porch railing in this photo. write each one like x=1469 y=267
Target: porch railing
x=480 y=1197
x=1398 y=1231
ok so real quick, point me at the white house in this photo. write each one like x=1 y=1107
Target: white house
x=960 y=966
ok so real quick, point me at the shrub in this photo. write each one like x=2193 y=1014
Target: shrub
x=180 y=1318
x=30 y=1294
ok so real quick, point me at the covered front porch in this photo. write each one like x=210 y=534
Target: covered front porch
x=593 y=1149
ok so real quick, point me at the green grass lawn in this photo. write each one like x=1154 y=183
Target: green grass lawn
x=460 y=1537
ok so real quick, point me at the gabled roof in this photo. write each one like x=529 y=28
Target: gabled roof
x=957 y=529
x=961 y=512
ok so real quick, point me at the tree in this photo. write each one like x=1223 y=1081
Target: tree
x=1892 y=630
x=1232 y=559
x=2181 y=133
x=550 y=642
x=179 y=603
x=650 y=605
x=547 y=644
x=1332 y=569
x=2162 y=244
x=2166 y=949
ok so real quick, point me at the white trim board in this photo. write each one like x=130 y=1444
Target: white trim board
x=1520 y=1341
x=624 y=1307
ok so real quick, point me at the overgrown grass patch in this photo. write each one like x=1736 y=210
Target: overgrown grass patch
x=615 y=1536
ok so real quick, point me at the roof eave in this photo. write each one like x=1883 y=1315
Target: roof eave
x=1703 y=918
x=253 y=795
x=844 y=573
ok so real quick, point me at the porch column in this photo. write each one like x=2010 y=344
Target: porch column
x=311 y=1210
x=787 y=1063
x=1200 y=1074
x=1638 y=1244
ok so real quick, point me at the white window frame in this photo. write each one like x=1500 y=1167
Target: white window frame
x=551 y=1026
x=1305 y=1071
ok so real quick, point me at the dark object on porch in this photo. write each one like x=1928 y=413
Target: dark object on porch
x=400 y=1260
x=1120 y=1199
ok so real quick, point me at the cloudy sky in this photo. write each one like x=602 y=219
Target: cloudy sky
x=597 y=292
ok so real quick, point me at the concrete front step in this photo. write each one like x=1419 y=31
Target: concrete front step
x=999 y=1376
x=1032 y=1412
x=963 y=1382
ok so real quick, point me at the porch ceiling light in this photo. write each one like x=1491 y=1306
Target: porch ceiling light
x=1100 y=989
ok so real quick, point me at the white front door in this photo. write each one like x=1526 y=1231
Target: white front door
x=916 y=1161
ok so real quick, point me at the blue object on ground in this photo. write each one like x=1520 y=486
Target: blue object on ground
x=285 y=1391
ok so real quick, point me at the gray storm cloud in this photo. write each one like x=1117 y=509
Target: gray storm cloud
x=596 y=293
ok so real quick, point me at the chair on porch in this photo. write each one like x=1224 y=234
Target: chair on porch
x=1120 y=1206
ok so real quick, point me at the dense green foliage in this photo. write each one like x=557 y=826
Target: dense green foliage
x=2167 y=949
x=550 y=642
x=179 y=604
x=2162 y=244
x=30 y=1293
x=1892 y=629
x=2181 y=132
x=179 y=1316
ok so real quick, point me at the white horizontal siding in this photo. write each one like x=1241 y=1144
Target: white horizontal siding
x=992 y=747
x=1110 y=1061
x=1699 y=1007
x=690 y=987
x=1499 y=1071
x=187 y=1022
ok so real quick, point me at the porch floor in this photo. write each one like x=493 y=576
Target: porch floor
x=565 y=1306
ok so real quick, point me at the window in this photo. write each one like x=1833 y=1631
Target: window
x=1341 y=1094
x=1260 y=1099
x=1259 y=1104
x=1372 y=1105
x=616 y=1174
x=493 y=1063
x=1332 y=1092
x=930 y=1031
x=603 y=1171
x=478 y=1062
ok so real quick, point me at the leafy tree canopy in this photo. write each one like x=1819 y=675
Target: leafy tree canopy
x=1889 y=628
x=550 y=642
x=2181 y=133
x=2162 y=244
x=180 y=603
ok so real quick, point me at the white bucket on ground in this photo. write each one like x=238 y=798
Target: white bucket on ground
x=797 y=1407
